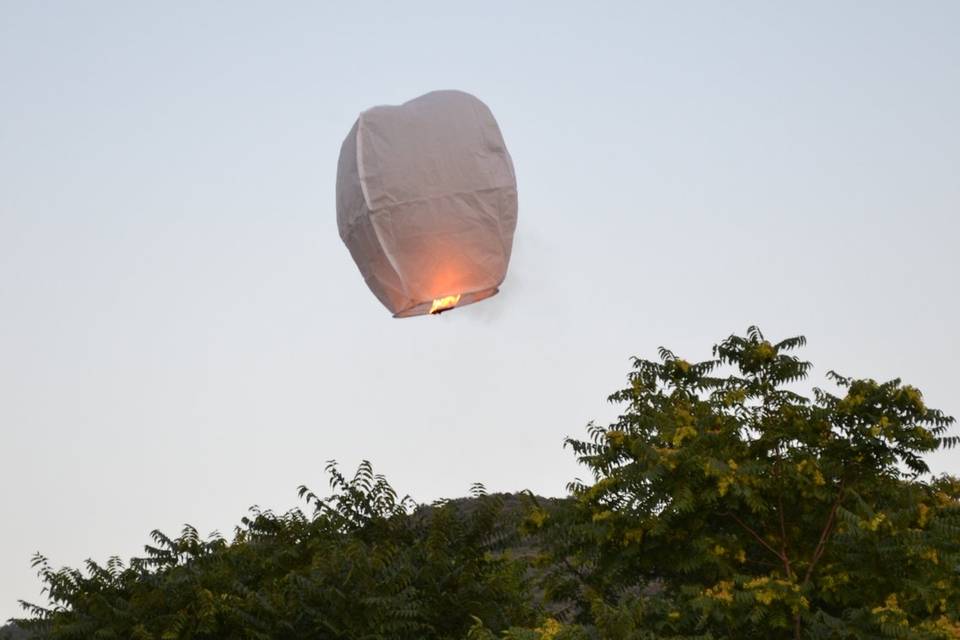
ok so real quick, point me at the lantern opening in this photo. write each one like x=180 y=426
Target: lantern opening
x=444 y=304
x=456 y=301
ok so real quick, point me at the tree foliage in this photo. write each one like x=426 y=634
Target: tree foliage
x=364 y=564
x=723 y=503
x=730 y=505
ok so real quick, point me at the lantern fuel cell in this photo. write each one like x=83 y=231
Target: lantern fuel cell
x=427 y=202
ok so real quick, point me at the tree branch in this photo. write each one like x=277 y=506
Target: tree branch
x=783 y=524
x=824 y=535
x=783 y=538
x=755 y=535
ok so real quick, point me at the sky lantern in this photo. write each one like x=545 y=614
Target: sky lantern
x=427 y=202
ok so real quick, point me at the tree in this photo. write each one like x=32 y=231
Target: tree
x=364 y=564
x=733 y=506
x=724 y=504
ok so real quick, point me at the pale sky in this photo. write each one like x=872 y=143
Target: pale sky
x=183 y=334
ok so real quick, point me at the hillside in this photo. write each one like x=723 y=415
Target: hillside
x=12 y=632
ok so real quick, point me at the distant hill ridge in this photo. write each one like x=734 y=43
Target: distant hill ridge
x=12 y=632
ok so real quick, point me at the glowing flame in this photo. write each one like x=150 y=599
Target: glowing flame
x=442 y=304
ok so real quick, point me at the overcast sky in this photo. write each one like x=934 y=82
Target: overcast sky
x=183 y=335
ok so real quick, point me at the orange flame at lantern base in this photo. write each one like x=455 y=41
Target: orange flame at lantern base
x=444 y=304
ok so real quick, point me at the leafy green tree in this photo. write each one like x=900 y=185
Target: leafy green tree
x=724 y=504
x=365 y=564
x=730 y=505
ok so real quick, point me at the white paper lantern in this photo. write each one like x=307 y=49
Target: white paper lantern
x=427 y=202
